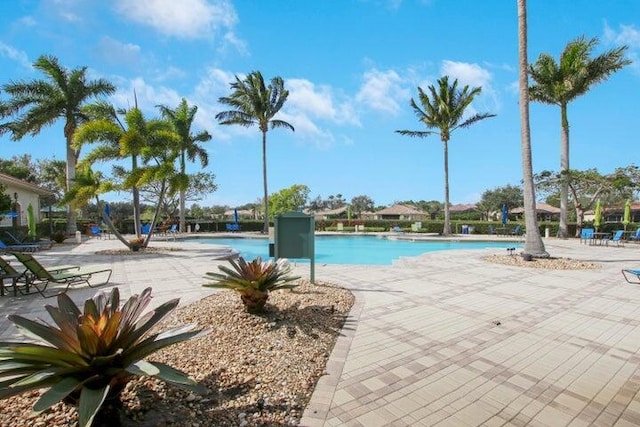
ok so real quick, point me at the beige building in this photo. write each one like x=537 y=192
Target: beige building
x=22 y=194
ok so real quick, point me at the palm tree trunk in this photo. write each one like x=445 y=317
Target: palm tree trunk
x=136 y=200
x=72 y=226
x=447 y=223
x=265 y=228
x=564 y=168
x=533 y=241
x=183 y=168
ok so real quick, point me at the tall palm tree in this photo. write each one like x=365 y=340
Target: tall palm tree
x=559 y=83
x=255 y=104
x=533 y=241
x=444 y=111
x=182 y=118
x=41 y=103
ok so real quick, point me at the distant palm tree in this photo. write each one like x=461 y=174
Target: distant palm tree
x=182 y=118
x=255 y=104
x=444 y=111
x=533 y=241
x=41 y=103
x=561 y=83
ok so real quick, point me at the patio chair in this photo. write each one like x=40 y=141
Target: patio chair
x=46 y=244
x=516 y=231
x=95 y=231
x=8 y=271
x=40 y=277
x=629 y=276
x=617 y=237
x=586 y=235
x=22 y=248
x=145 y=229
x=233 y=227
x=635 y=237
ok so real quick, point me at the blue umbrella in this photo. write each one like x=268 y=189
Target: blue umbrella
x=504 y=214
x=107 y=210
x=235 y=215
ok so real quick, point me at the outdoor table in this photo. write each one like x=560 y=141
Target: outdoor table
x=601 y=237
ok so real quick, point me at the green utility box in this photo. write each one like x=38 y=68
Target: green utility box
x=294 y=237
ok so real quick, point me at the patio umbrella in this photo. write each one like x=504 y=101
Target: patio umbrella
x=626 y=218
x=349 y=214
x=31 y=222
x=235 y=215
x=107 y=210
x=597 y=215
x=504 y=214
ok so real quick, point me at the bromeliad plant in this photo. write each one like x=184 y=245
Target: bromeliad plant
x=90 y=356
x=254 y=280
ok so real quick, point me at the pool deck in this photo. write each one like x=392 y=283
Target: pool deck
x=440 y=339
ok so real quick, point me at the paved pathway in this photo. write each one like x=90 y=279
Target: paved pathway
x=441 y=339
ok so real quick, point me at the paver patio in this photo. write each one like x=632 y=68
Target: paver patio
x=442 y=339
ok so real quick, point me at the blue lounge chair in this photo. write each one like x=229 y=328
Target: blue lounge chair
x=635 y=237
x=95 y=231
x=586 y=235
x=46 y=244
x=233 y=227
x=617 y=237
x=145 y=229
x=629 y=276
x=516 y=231
x=21 y=248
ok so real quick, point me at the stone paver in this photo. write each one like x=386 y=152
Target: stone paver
x=422 y=345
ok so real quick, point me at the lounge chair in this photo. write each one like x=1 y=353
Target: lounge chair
x=9 y=272
x=586 y=235
x=145 y=229
x=95 y=231
x=629 y=276
x=635 y=237
x=23 y=248
x=46 y=244
x=233 y=227
x=617 y=237
x=516 y=231
x=40 y=277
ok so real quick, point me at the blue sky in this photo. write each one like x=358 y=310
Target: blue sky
x=351 y=67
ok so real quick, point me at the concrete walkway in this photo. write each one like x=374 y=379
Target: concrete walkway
x=442 y=339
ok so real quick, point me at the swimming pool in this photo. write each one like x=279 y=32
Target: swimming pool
x=367 y=250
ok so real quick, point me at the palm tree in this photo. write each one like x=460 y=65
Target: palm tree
x=533 y=241
x=255 y=104
x=444 y=111
x=182 y=118
x=561 y=83
x=148 y=143
x=40 y=103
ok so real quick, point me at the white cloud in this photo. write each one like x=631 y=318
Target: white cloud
x=15 y=55
x=147 y=96
x=184 y=19
x=467 y=74
x=474 y=76
x=627 y=35
x=382 y=91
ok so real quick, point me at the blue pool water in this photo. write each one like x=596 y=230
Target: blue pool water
x=368 y=250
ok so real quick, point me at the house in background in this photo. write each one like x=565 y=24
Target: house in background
x=544 y=211
x=22 y=194
x=401 y=212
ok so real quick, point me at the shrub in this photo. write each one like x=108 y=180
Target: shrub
x=90 y=356
x=253 y=280
x=59 y=236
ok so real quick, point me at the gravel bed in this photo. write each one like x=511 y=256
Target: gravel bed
x=260 y=370
x=548 y=263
